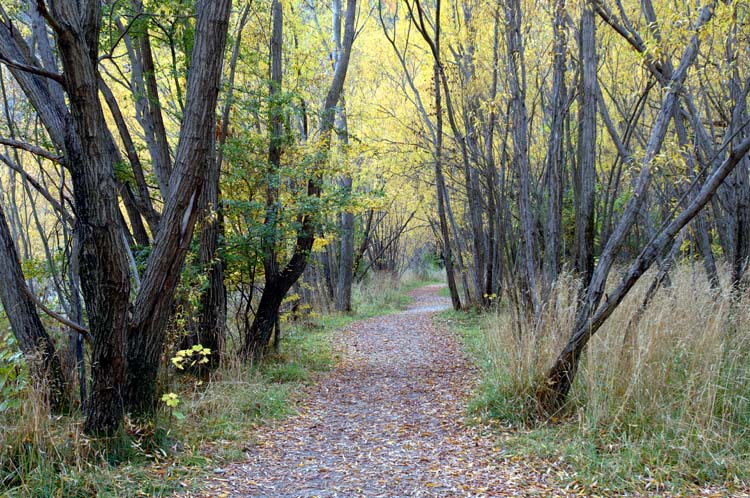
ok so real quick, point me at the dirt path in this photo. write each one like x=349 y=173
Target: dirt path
x=386 y=422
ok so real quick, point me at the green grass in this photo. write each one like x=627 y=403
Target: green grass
x=212 y=425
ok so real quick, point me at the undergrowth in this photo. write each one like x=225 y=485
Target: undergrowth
x=665 y=410
x=212 y=423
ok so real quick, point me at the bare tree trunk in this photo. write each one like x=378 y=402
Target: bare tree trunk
x=149 y=107
x=556 y=149
x=32 y=338
x=346 y=256
x=104 y=267
x=280 y=280
x=586 y=166
x=519 y=116
x=211 y=324
x=154 y=300
x=346 y=223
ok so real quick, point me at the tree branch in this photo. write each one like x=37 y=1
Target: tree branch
x=32 y=69
x=44 y=12
x=56 y=205
x=17 y=144
x=73 y=326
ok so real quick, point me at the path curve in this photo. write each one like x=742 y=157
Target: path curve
x=386 y=422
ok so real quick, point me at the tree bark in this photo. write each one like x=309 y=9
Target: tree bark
x=105 y=274
x=556 y=149
x=32 y=338
x=154 y=300
x=586 y=165
x=519 y=118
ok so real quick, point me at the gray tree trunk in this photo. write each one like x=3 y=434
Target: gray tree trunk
x=346 y=224
x=519 y=117
x=556 y=149
x=586 y=164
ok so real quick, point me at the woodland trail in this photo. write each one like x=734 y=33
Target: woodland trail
x=388 y=421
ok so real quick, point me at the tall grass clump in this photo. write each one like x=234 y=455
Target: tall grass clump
x=661 y=399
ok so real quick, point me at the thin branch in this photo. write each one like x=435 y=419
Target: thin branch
x=72 y=325
x=44 y=12
x=16 y=144
x=57 y=206
x=32 y=69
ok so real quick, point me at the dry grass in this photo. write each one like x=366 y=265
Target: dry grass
x=666 y=407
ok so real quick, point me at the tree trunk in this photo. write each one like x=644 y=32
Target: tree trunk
x=519 y=117
x=586 y=167
x=556 y=150
x=346 y=256
x=32 y=338
x=210 y=329
x=554 y=392
x=211 y=326
x=105 y=276
x=155 y=297
x=346 y=250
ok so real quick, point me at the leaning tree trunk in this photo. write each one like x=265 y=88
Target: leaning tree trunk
x=441 y=191
x=32 y=338
x=591 y=315
x=211 y=327
x=559 y=380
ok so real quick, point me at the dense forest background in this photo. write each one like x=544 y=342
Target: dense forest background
x=183 y=182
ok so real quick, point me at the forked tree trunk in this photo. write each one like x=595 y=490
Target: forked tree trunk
x=105 y=274
x=155 y=297
x=280 y=280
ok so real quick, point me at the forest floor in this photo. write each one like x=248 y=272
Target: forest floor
x=389 y=420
